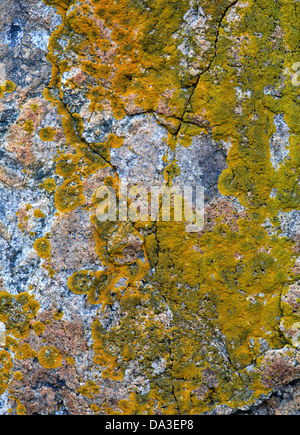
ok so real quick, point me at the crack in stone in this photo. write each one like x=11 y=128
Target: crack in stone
x=194 y=87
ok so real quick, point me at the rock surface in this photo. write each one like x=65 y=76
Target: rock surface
x=141 y=316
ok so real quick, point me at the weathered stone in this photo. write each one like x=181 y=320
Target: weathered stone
x=141 y=316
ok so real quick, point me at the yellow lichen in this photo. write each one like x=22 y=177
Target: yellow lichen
x=50 y=185
x=9 y=86
x=89 y=390
x=58 y=315
x=6 y=366
x=38 y=214
x=47 y=134
x=34 y=107
x=25 y=352
x=50 y=358
x=38 y=328
x=42 y=247
x=28 y=126
x=70 y=361
x=200 y=280
x=21 y=410
x=69 y=195
x=16 y=312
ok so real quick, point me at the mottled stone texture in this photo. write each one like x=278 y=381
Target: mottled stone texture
x=144 y=317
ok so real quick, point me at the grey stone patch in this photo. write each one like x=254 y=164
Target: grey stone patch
x=4 y=403
x=98 y=126
x=19 y=261
x=25 y=29
x=40 y=39
x=290 y=223
x=7 y=118
x=201 y=164
x=140 y=159
x=13 y=33
x=135 y=380
x=279 y=143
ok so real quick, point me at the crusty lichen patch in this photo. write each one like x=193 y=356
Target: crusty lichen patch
x=231 y=284
x=50 y=358
x=191 y=314
x=42 y=247
x=47 y=134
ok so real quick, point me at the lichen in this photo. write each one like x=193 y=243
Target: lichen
x=69 y=195
x=28 y=126
x=16 y=312
x=211 y=299
x=38 y=328
x=50 y=358
x=38 y=214
x=9 y=86
x=5 y=371
x=50 y=185
x=47 y=134
x=42 y=247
